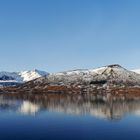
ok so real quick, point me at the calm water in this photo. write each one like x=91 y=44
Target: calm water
x=68 y=117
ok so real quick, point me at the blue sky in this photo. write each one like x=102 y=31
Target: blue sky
x=57 y=35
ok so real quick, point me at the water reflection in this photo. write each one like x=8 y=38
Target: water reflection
x=28 y=107
x=98 y=106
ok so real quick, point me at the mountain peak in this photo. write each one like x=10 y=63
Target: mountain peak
x=114 y=66
x=32 y=74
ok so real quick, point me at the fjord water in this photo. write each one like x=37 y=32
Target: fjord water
x=84 y=117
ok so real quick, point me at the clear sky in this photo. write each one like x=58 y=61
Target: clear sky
x=57 y=35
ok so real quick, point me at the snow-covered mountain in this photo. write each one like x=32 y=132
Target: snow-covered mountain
x=8 y=78
x=107 y=74
x=31 y=75
x=107 y=77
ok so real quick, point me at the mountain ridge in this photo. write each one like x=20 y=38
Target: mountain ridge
x=111 y=77
x=103 y=80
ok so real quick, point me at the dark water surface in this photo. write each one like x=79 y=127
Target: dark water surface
x=64 y=117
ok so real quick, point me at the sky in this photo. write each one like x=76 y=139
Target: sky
x=57 y=35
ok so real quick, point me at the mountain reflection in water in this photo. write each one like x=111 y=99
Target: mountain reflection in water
x=101 y=107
